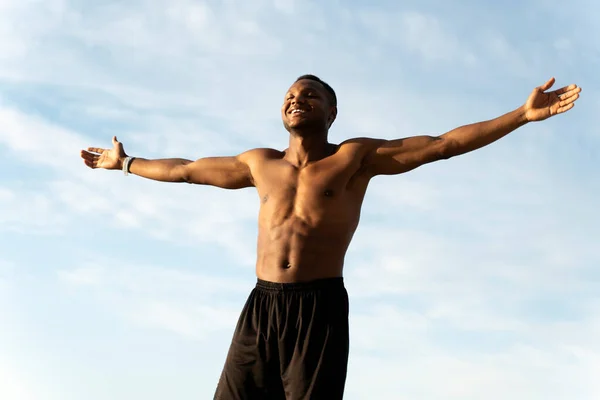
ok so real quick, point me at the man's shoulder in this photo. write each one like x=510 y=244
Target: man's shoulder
x=360 y=144
x=260 y=154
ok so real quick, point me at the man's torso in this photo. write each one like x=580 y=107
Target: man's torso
x=308 y=215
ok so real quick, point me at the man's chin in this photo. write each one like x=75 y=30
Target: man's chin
x=302 y=127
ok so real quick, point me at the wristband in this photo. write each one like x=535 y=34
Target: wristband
x=126 y=163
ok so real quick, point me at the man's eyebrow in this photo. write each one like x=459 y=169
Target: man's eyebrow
x=313 y=86
x=310 y=88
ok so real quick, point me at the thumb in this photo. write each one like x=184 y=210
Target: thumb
x=547 y=85
x=117 y=144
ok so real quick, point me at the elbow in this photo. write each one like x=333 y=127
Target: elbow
x=448 y=149
x=181 y=174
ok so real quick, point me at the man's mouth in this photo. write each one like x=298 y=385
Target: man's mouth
x=298 y=111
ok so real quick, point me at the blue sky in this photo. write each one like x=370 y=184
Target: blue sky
x=471 y=278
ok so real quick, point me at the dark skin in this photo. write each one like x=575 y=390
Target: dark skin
x=311 y=193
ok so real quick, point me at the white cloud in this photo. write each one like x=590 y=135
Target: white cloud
x=419 y=33
x=563 y=44
x=498 y=48
x=401 y=353
x=190 y=322
x=27 y=210
x=159 y=298
x=424 y=34
x=91 y=275
x=13 y=386
x=37 y=141
x=286 y=6
x=7 y=270
x=173 y=214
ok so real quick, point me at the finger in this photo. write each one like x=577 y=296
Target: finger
x=567 y=89
x=567 y=102
x=87 y=154
x=568 y=93
x=96 y=150
x=565 y=108
x=90 y=157
x=568 y=97
x=115 y=141
x=547 y=85
x=90 y=164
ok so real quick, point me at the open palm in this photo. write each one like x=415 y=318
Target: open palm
x=95 y=157
x=541 y=104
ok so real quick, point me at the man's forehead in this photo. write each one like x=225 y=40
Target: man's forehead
x=306 y=83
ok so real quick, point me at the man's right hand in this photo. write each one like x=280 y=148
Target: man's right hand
x=95 y=157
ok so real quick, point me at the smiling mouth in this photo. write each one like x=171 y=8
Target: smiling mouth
x=298 y=111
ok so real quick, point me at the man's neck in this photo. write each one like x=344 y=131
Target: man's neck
x=306 y=148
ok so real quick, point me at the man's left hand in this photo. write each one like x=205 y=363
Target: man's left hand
x=541 y=104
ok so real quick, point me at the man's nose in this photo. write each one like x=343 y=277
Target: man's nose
x=298 y=99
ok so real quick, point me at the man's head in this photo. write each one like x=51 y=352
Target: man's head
x=309 y=105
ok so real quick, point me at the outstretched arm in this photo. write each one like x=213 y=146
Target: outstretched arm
x=389 y=157
x=225 y=172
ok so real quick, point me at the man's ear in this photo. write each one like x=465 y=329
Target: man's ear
x=332 y=115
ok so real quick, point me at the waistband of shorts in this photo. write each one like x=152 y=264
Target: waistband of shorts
x=317 y=284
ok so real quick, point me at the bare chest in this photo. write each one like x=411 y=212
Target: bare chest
x=322 y=194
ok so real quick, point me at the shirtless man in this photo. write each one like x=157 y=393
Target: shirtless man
x=291 y=341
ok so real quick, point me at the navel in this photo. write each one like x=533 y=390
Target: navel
x=265 y=198
x=328 y=193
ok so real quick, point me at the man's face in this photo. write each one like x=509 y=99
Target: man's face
x=307 y=105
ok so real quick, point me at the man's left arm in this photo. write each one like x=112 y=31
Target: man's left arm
x=390 y=157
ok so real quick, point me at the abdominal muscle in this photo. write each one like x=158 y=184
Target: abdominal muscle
x=296 y=251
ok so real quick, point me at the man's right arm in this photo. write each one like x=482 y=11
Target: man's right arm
x=224 y=172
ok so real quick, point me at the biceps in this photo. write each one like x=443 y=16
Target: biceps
x=223 y=172
x=402 y=155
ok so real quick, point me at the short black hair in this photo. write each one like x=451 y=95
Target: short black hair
x=328 y=88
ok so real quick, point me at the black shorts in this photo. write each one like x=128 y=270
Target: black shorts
x=291 y=342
